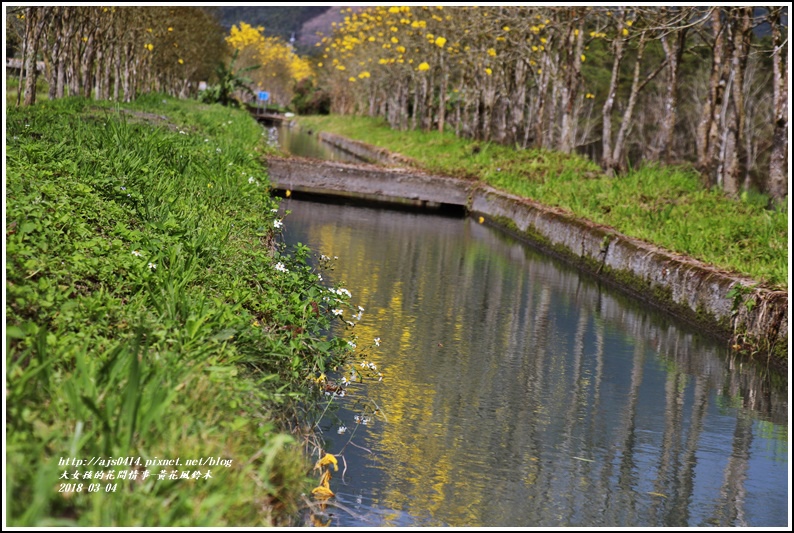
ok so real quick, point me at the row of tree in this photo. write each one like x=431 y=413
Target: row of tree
x=115 y=52
x=666 y=84
x=707 y=85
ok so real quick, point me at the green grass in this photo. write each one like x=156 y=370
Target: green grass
x=665 y=206
x=145 y=317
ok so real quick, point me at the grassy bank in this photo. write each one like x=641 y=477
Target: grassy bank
x=153 y=312
x=664 y=206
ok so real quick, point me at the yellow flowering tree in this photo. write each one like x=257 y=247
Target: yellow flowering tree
x=281 y=68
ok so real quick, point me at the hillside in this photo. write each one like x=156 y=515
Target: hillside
x=281 y=21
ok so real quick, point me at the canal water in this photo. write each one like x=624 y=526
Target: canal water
x=304 y=142
x=518 y=392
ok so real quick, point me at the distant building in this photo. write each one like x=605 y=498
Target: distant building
x=13 y=65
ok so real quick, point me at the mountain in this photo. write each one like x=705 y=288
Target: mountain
x=281 y=21
x=302 y=22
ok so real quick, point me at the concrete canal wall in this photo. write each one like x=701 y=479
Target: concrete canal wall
x=753 y=320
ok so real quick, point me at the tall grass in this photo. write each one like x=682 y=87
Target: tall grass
x=665 y=206
x=145 y=318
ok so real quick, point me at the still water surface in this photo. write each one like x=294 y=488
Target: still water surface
x=304 y=142
x=518 y=392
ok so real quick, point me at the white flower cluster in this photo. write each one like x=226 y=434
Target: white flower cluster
x=340 y=292
x=360 y=419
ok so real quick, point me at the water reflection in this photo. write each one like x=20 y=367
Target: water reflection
x=303 y=142
x=520 y=393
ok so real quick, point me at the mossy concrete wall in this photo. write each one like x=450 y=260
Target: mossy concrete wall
x=754 y=320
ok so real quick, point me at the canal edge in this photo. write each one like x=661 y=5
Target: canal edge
x=730 y=307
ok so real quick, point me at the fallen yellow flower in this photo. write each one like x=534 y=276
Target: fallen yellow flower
x=327 y=460
x=322 y=492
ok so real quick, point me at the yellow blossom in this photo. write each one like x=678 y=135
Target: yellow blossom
x=440 y=42
x=181 y=61
x=327 y=459
x=583 y=58
x=491 y=52
x=488 y=71
x=423 y=66
x=625 y=31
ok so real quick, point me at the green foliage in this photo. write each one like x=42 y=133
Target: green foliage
x=310 y=100
x=153 y=312
x=739 y=295
x=229 y=81
x=666 y=206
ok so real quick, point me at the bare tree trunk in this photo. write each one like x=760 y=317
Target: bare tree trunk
x=487 y=95
x=573 y=80
x=673 y=53
x=426 y=109
x=442 y=95
x=736 y=156
x=404 y=106
x=86 y=65
x=553 y=104
x=777 y=185
x=22 y=65
x=54 y=48
x=414 y=115
x=618 y=151
x=541 y=125
x=116 y=71
x=518 y=100
x=708 y=128
x=37 y=18
x=618 y=45
x=128 y=74
x=69 y=27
